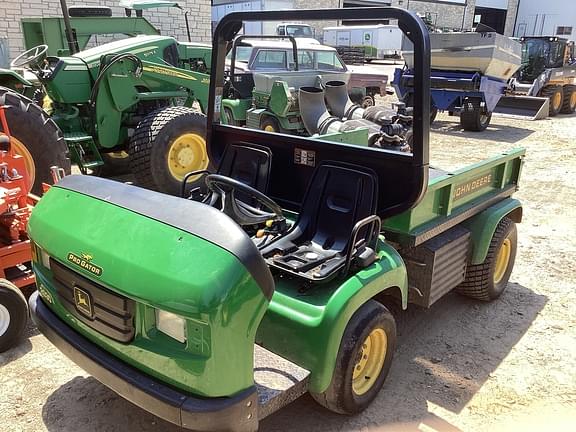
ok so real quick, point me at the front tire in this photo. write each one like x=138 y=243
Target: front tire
x=363 y=361
x=35 y=137
x=167 y=145
x=554 y=93
x=488 y=280
x=13 y=314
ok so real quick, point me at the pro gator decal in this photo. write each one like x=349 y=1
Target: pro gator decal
x=84 y=261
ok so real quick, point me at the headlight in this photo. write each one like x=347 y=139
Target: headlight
x=171 y=325
x=40 y=256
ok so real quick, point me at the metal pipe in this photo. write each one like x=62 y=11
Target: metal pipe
x=72 y=42
x=187 y=26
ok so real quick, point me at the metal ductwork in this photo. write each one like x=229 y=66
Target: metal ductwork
x=340 y=105
x=392 y=125
x=317 y=119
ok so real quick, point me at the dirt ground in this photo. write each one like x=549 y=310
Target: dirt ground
x=461 y=365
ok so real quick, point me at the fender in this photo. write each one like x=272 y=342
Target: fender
x=483 y=226
x=308 y=332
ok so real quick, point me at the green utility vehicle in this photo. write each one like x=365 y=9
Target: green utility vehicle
x=214 y=314
x=132 y=97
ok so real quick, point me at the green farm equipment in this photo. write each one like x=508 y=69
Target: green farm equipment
x=131 y=97
x=273 y=280
x=284 y=86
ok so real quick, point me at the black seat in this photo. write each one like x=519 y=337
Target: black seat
x=335 y=228
x=247 y=163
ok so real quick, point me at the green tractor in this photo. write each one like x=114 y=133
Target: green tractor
x=276 y=281
x=136 y=96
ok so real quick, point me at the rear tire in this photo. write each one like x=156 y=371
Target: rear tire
x=167 y=145
x=569 y=99
x=348 y=394
x=270 y=124
x=368 y=101
x=13 y=314
x=474 y=116
x=487 y=281
x=36 y=137
x=554 y=93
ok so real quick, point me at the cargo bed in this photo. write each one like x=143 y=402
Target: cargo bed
x=453 y=197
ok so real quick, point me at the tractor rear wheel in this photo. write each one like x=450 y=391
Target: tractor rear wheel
x=270 y=124
x=363 y=360
x=167 y=145
x=35 y=137
x=474 y=116
x=13 y=314
x=554 y=93
x=569 y=96
x=488 y=280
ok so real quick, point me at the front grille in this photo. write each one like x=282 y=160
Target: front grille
x=104 y=311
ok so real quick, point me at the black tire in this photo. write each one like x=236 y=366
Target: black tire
x=474 y=116
x=271 y=124
x=368 y=101
x=38 y=133
x=230 y=117
x=568 y=99
x=89 y=11
x=340 y=396
x=114 y=165
x=556 y=97
x=480 y=279
x=151 y=142
x=13 y=314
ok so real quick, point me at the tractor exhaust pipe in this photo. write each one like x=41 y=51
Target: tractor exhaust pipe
x=317 y=119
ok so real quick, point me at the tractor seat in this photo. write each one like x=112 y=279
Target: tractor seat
x=247 y=163
x=335 y=228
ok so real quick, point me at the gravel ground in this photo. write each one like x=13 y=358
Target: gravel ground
x=461 y=365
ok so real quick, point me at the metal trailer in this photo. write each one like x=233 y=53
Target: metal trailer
x=471 y=95
x=378 y=41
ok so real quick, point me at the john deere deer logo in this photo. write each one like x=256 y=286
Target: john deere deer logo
x=83 y=302
x=85 y=261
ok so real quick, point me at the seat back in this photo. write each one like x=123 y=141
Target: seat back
x=249 y=164
x=338 y=196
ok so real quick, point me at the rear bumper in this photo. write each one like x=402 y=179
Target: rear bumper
x=237 y=413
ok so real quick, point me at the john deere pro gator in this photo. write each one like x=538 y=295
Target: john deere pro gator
x=271 y=281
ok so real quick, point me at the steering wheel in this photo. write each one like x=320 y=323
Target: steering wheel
x=243 y=214
x=31 y=58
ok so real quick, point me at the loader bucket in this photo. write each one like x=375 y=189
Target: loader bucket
x=525 y=107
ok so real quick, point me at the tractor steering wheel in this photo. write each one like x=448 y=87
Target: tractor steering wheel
x=243 y=214
x=31 y=58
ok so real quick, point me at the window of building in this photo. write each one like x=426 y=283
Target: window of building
x=563 y=30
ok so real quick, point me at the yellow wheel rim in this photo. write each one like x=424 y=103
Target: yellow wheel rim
x=187 y=153
x=21 y=150
x=369 y=361
x=502 y=260
x=557 y=100
x=573 y=99
x=269 y=128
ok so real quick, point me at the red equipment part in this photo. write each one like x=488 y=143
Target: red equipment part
x=16 y=203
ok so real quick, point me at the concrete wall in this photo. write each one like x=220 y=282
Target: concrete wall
x=169 y=21
x=452 y=15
